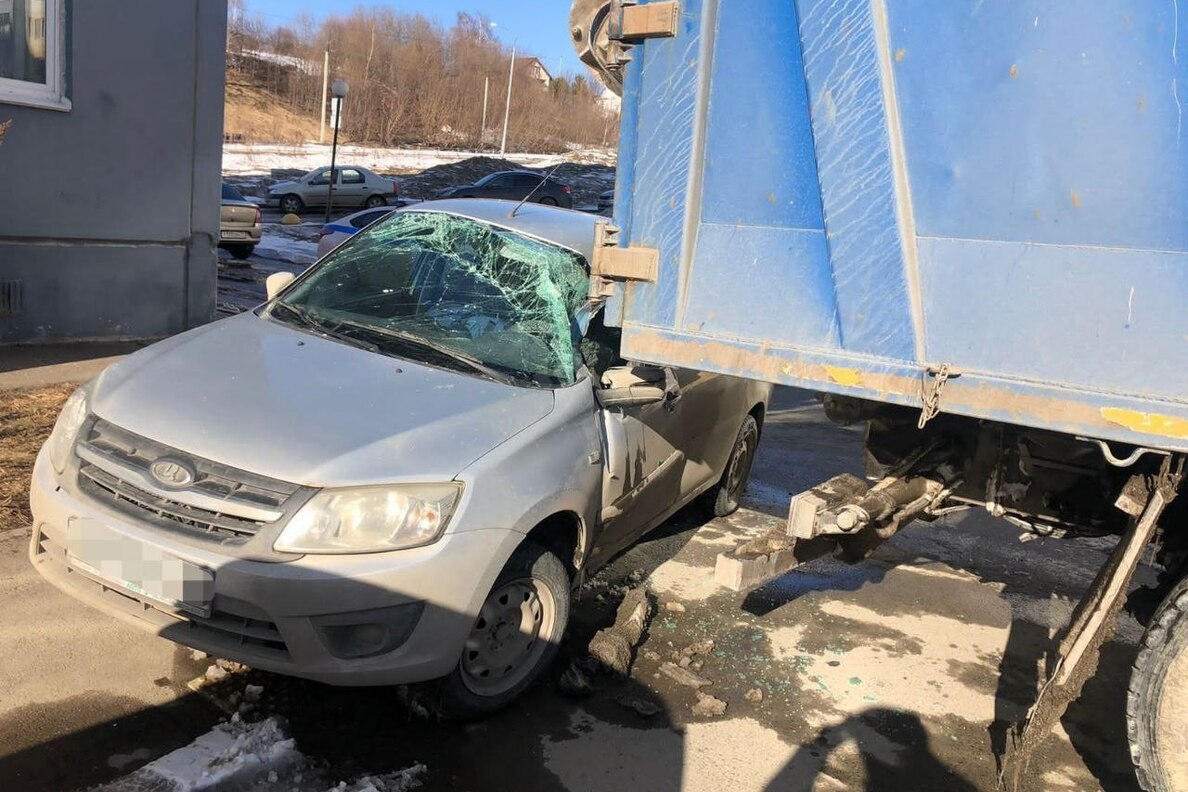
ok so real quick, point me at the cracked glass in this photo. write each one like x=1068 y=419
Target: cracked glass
x=452 y=291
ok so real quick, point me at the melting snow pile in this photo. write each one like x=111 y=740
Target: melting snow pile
x=400 y=781
x=231 y=753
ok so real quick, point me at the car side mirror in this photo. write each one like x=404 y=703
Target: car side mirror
x=275 y=283
x=636 y=385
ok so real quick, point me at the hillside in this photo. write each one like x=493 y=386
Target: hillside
x=253 y=114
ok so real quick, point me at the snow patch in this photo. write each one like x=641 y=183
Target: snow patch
x=229 y=753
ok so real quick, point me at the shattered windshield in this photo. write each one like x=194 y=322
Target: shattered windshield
x=450 y=290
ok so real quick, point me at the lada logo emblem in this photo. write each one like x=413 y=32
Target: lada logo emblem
x=172 y=473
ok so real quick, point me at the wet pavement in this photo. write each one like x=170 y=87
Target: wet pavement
x=879 y=676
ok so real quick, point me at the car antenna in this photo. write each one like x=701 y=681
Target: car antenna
x=548 y=176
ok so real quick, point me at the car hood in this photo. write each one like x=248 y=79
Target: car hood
x=267 y=398
x=284 y=186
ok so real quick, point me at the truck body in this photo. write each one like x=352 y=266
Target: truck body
x=845 y=195
x=964 y=223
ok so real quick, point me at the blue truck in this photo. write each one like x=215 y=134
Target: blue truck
x=964 y=222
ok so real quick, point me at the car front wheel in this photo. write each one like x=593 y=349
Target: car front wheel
x=514 y=638
x=292 y=204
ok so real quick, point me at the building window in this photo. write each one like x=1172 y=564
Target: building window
x=32 y=65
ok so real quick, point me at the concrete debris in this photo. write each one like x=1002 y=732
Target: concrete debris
x=674 y=607
x=614 y=647
x=253 y=692
x=636 y=577
x=696 y=665
x=575 y=683
x=754 y=695
x=683 y=676
x=685 y=662
x=418 y=701
x=231 y=667
x=642 y=707
x=198 y=656
x=215 y=673
x=700 y=648
x=651 y=654
x=708 y=707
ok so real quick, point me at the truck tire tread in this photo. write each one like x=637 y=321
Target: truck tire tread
x=1165 y=639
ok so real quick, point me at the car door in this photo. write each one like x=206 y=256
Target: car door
x=317 y=187
x=502 y=186
x=644 y=460
x=353 y=189
x=525 y=184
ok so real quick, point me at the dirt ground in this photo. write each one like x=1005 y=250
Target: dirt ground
x=26 y=419
x=880 y=676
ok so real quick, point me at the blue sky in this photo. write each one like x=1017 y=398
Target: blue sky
x=539 y=26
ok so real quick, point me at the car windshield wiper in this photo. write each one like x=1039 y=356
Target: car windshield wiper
x=319 y=325
x=420 y=341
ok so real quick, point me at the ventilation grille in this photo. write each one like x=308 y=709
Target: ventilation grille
x=10 y=298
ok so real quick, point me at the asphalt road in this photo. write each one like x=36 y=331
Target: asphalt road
x=880 y=676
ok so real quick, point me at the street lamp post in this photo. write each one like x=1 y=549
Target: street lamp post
x=339 y=89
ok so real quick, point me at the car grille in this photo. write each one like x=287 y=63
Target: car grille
x=222 y=502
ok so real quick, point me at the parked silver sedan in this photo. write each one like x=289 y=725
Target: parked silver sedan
x=353 y=187
x=434 y=439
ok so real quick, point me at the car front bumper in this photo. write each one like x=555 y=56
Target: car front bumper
x=377 y=619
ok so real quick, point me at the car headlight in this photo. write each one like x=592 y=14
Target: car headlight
x=370 y=519
x=70 y=420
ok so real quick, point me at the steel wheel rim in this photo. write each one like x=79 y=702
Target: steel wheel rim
x=509 y=637
x=741 y=467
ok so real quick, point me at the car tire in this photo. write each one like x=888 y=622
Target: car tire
x=548 y=201
x=242 y=252
x=376 y=201
x=499 y=662
x=723 y=498
x=292 y=204
x=1157 y=701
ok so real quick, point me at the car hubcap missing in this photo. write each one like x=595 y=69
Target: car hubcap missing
x=509 y=636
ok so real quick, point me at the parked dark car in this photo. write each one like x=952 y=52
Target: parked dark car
x=606 y=201
x=515 y=186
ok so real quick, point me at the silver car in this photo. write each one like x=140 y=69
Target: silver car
x=353 y=187
x=433 y=440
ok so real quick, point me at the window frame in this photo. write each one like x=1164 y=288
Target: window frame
x=50 y=95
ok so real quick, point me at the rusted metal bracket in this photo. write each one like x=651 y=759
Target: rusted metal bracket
x=604 y=31
x=1092 y=624
x=614 y=263
x=638 y=22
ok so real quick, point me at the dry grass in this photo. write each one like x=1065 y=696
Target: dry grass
x=26 y=418
x=257 y=115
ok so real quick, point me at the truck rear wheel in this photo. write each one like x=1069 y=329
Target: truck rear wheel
x=1157 y=706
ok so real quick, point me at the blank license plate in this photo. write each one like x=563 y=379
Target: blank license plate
x=234 y=234
x=142 y=569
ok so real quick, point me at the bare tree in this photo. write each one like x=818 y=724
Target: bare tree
x=413 y=81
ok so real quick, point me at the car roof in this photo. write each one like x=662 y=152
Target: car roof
x=564 y=227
